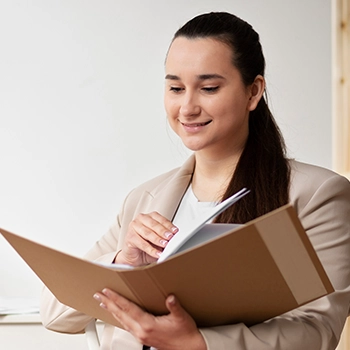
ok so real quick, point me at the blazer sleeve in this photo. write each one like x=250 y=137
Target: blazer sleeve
x=316 y=325
x=61 y=318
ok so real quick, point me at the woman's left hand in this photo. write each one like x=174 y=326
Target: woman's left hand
x=168 y=332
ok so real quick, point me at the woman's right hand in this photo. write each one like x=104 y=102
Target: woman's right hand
x=147 y=236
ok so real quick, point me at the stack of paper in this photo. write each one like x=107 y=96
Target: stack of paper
x=16 y=306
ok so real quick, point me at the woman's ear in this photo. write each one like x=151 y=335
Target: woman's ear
x=256 y=91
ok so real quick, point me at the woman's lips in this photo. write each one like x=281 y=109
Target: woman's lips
x=196 y=124
x=194 y=127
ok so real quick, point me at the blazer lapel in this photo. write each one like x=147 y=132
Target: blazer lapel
x=165 y=199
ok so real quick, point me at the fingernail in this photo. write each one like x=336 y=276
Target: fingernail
x=174 y=229
x=168 y=235
x=104 y=306
x=163 y=242
x=97 y=297
x=105 y=291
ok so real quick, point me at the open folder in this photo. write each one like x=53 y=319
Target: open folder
x=249 y=274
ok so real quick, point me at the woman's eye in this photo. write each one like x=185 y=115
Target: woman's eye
x=210 y=88
x=175 y=89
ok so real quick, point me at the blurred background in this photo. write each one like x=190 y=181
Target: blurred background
x=81 y=108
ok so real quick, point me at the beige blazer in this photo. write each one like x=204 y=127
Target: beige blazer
x=322 y=201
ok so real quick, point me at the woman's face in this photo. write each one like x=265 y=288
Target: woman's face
x=206 y=102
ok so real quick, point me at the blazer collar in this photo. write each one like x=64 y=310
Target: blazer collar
x=166 y=197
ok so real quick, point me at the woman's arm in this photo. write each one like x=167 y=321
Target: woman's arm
x=145 y=237
x=316 y=325
x=61 y=318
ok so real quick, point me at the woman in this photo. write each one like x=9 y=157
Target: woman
x=214 y=102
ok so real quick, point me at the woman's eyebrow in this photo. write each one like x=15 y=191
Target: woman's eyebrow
x=209 y=76
x=199 y=77
x=172 y=77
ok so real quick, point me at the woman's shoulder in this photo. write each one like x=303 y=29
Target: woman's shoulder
x=312 y=173
x=307 y=180
x=159 y=183
x=158 y=180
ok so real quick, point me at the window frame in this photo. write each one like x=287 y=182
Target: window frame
x=341 y=86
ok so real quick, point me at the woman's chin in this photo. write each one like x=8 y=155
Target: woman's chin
x=193 y=147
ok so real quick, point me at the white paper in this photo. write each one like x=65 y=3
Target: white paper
x=114 y=266
x=184 y=235
x=207 y=233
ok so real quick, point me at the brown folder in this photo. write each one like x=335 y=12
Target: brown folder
x=250 y=274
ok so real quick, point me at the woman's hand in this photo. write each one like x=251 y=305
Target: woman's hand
x=145 y=240
x=170 y=332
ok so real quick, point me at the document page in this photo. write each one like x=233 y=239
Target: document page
x=182 y=236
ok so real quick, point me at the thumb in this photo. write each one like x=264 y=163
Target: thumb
x=174 y=306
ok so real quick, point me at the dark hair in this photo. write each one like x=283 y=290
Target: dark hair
x=263 y=166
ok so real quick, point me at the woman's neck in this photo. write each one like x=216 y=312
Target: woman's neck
x=212 y=176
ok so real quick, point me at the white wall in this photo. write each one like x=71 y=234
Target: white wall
x=81 y=109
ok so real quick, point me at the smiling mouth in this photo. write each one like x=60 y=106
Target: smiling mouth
x=193 y=125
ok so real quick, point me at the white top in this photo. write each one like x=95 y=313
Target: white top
x=190 y=209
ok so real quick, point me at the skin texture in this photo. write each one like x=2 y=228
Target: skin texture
x=208 y=107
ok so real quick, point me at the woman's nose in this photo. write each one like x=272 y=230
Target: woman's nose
x=189 y=106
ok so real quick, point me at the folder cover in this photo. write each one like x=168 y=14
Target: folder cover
x=250 y=274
